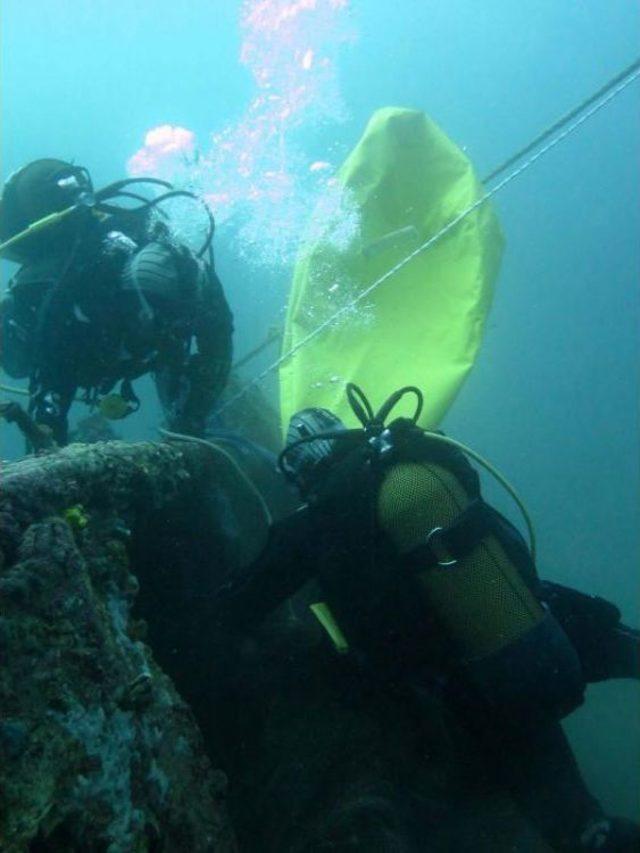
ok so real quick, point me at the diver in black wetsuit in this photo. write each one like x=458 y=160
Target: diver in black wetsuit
x=106 y=294
x=425 y=585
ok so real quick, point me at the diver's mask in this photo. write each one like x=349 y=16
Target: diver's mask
x=73 y=185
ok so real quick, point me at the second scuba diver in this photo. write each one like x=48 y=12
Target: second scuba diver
x=106 y=294
x=425 y=585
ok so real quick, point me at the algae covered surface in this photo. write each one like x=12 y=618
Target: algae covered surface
x=129 y=722
x=99 y=752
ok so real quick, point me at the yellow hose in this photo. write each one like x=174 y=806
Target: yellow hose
x=39 y=225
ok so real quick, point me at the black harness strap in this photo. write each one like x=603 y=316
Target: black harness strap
x=444 y=546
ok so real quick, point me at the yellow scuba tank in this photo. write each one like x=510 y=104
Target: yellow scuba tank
x=511 y=656
x=479 y=599
x=511 y=651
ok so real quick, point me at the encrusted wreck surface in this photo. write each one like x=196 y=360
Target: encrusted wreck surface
x=110 y=557
x=98 y=752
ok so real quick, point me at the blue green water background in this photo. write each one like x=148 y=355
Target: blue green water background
x=553 y=400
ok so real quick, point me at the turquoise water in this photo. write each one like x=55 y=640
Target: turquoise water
x=553 y=400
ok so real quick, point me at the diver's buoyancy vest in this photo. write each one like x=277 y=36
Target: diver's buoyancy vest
x=97 y=294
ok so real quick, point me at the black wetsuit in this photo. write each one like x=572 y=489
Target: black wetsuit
x=124 y=301
x=336 y=539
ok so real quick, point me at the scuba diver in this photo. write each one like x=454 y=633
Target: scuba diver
x=424 y=587
x=106 y=294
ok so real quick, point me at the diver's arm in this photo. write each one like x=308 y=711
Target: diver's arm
x=208 y=369
x=53 y=384
x=19 y=316
x=14 y=352
x=543 y=777
x=189 y=390
x=37 y=438
x=50 y=409
x=606 y=647
x=284 y=565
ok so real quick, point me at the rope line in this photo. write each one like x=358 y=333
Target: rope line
x=11 y=389
x=562 y=121
x=612 y=90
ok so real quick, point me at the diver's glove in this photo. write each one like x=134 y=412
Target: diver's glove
x=49 y=413
x=607 y=648
x=610 y=835
x=38 y=436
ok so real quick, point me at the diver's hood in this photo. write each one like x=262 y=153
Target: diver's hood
x=37 y=190
x=43 y=204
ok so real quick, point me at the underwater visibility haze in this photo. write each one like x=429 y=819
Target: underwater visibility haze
x=257 y=107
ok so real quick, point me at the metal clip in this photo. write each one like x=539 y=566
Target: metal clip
x=382 y=442
x=445 y=559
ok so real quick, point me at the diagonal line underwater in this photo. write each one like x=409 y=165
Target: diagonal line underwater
x=564 y=120
x=603 y=96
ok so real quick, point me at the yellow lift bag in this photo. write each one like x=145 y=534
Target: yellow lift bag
x=403 y=182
